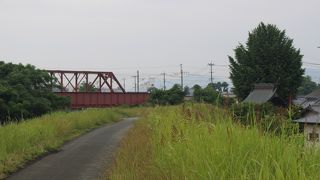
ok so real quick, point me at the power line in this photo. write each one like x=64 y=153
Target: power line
x=222 y=65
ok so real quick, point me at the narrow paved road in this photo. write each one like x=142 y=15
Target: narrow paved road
x=85 y=158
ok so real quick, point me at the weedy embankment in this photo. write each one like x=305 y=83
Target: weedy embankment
x=199 y=141
x=27 y=140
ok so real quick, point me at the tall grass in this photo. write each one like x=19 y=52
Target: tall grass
x=24 y=141
x=203 y=142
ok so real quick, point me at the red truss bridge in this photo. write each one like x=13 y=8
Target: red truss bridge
x=94 y=89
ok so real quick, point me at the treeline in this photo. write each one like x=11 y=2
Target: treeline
x=26 y=92
x=173 y=96
x=176 y=95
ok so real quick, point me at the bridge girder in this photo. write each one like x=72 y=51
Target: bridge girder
x=70 y=81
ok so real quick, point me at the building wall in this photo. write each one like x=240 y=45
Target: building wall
x=311 y=128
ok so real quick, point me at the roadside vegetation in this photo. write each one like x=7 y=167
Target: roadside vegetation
x=171 y=96
x=176 y=95
x=27 y=140
x=26 y=92
x=200 y=141
x=223 y=139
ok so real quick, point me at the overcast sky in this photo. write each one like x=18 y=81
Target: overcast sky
x=153 y=36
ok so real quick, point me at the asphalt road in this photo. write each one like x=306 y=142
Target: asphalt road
x=85 y=158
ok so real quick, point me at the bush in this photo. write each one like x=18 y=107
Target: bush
x=266 y=116
x=172 y=96
x=207 y=94
x=26 y=92
x=199 y=141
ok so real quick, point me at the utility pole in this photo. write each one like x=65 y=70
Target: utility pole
x=135 y=83
x=181 y=71
x=319 y=77
x=138 y=80
x=211 y=78
x=164 y=80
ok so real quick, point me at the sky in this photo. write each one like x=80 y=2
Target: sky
x=152 y=36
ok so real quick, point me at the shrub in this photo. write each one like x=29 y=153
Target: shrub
x=172 y=96
x=26 y=92
x=266 y=116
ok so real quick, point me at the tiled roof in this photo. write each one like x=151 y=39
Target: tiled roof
x=314 y=119
x=312 y=99
x=315 y=94
x=261 y=93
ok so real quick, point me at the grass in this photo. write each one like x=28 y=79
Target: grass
x=27 y=140
x=135 y=154
x=203 y=142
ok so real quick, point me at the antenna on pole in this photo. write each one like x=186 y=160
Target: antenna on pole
x=211 y=72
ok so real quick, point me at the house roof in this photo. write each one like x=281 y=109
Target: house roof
x=315 y=94
x=261 y=93
x=315 y=108
x=311 y=103
x=312 y=99
x=314 y=119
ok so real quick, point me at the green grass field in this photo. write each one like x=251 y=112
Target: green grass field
x=24 y=141
x=203 y=142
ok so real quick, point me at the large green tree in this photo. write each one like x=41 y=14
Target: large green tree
x=26 y=92
x=267 y=57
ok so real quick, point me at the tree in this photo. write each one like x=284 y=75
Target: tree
x=186 y=90
x=207 y=94
x=91 y=87
x=220 y=86
x=197 y=93
x=267 y=57
x=173 y=96
x=26 y=92
x=158 y=96
x=307 y=86
x=225 y=86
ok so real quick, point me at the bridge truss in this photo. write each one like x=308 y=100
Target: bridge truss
x=93 y=89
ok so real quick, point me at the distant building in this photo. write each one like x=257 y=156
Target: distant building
x=310 y=124
x=265 y=92
x=228 y=94
x=310 y=121
x=189 y=95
